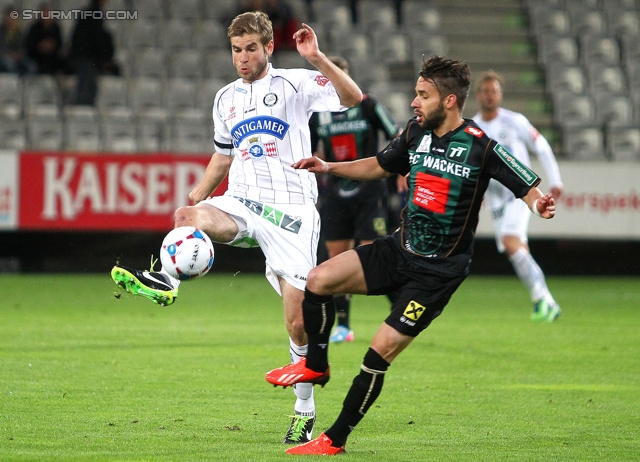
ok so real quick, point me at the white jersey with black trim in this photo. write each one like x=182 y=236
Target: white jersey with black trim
x=514 y=131
x=265 y=125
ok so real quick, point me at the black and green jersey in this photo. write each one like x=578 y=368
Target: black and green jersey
x=350 y=135
x=448 y=178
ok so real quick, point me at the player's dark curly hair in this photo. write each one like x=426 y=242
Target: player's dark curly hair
x=252 y=22
x=449 y=76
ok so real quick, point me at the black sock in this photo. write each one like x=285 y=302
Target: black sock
x=343 y=303
x=364 y=391
x=319 y=314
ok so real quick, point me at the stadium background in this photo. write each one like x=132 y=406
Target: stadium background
x=572 y=67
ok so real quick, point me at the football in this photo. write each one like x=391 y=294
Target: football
x=186 y=253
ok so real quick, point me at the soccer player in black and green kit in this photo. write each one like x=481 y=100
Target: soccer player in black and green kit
x=450 y=162
x=351 y=211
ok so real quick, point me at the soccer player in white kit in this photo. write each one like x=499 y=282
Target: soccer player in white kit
x=261 y=125
x=510 y=216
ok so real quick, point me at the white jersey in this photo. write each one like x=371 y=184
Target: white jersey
x=514 y=131
x=265 y=125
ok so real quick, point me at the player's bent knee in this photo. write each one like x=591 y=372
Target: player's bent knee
x=318 y=281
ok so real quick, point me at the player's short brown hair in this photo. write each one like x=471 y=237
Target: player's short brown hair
x=252 y=22
x=450 y=77
x=488 y=76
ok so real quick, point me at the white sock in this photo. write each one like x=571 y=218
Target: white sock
x=530 y=274
x=305 y=404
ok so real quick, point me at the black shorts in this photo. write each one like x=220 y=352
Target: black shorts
x=362 y=217
x=423 y=292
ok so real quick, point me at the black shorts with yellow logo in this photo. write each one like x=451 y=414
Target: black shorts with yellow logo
x=423 y=291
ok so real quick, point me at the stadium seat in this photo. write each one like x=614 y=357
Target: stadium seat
x=81 y=129
x=390 y=46
x=151 y=132
x=10 y=96
x=550 y=21
x=179 y=93
x=613 y=110
x=187 y=63
x=606 y=79
x=149 y=62
x=209 y=35
x=219 y=65
x=45 y=132
x=176 y=34
x=206 y=92
x=40 y=90
x=112 y=92
x=191 y=132
x=565 y=78
x=599 y=50
x=586 y=21
x=145 y=93
x=583 y=143
x=572 y=110
x=622 y=21
x=375 y=14
x=189 y=10
x=13 y=134
x=424 y=17
x=623 y=143
x=558 y=49
x=149 y=9
x=118 y=130
x=141 y=34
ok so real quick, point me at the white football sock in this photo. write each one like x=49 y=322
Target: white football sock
x=304 y=391
x=530 y=274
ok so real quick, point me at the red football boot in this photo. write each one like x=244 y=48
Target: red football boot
x=297 y=373
x=321 y=446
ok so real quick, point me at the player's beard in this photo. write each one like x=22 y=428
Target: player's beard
x=253 y=76
x=435 y=118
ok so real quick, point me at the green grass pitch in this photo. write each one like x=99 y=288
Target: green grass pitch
x=86 y=376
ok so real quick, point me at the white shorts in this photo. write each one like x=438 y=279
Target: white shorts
x=512 y=219
x=287 y=234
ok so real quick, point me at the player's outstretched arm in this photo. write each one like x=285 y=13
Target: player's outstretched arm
x=217 y=169
x=543 y=205
x=307 y=45
x=361 y=170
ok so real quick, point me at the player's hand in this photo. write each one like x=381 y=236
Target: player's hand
x=306 y=41
x=546 y=206
x=313 y=164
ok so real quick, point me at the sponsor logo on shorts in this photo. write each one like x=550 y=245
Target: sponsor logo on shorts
x=413 y=310
x=274 y=216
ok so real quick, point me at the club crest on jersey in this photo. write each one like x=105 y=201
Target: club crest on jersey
x=268 y=125
x=270 y=99
x=258 y=150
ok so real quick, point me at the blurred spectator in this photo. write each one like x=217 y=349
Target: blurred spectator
x=282 y=16
x=44 y=43
x=13 y=55
x=92 y=52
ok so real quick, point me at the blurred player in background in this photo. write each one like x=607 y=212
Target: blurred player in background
x=261 y=128
x=351 y=211
x=510 y=216
x=450 y=162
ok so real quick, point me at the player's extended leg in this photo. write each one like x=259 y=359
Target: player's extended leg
x=304 y=412
x=160 y=287
x=365 y=389
x=341 y=274
x=545 y=307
